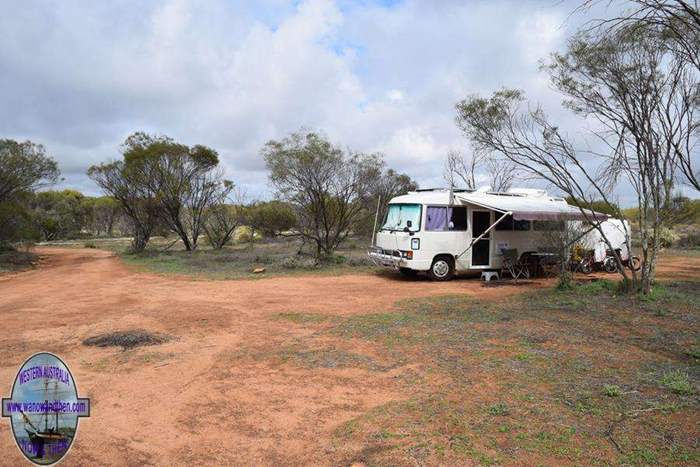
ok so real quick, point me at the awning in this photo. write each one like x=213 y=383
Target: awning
x=528 y=208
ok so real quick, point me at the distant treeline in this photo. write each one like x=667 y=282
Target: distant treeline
x=162 y=187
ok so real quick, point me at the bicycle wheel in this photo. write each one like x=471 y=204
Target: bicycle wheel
x=636 y=263
x=586 y=267
x=610 y=265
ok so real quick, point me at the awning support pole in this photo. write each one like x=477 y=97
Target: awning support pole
x=484 y=234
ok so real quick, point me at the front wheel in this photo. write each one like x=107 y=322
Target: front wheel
x=442 y=269
x=610 y=265
x=585 y=267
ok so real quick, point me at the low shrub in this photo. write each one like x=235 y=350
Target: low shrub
x=565 y=282
x=667 y=237
x=356 y=261
x=6 y=247
x=689 y=240
x=612 y=390
x=677 y=381
x=298 y=262
x=339 y=259
x=499 y=409
x=694 y=352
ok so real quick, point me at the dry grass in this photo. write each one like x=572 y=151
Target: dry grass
x=126 y=339
x=15 y=261
x=585 y=377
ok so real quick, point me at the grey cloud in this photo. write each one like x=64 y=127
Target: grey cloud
x=80 y=76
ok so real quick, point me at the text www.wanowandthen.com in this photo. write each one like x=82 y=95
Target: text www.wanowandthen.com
x=47 y=406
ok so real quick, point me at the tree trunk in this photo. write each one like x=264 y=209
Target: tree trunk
x=140 y=240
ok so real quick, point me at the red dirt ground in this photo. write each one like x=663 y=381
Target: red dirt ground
x=193 y=400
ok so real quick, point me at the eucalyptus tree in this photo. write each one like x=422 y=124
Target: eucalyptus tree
x=325 y=185
x=171 y=181
x=641 y=98
x=24 y=167
x=674 y=26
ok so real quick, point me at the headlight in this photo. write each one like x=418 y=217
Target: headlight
x=415 y=244
x=407 y=254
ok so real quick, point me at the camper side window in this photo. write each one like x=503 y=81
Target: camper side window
x=436 y=218
x=458 y=218
x=548 y=226
x=442 y=218
x=509 y=224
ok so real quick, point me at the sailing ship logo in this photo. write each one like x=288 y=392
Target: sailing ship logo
x=44 y=409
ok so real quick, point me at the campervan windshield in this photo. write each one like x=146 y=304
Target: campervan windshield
x=399 y=216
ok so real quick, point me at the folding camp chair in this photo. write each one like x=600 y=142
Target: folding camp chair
x=512 y=264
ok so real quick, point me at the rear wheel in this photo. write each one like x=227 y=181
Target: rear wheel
x=636 y=263
x=585 y=266
x=442 y=269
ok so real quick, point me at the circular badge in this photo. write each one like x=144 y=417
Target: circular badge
x=44 y=408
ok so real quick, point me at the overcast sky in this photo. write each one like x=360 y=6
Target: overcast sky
x=80 y=76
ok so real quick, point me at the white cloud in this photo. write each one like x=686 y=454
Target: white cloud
x=80 y=76
x=394 y=95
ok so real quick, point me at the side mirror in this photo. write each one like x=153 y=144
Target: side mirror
x=451 y=225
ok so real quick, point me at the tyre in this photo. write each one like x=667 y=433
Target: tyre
x=442 y=269
x=610 y=265
x=585 y=267
x=635 y=263
x=407 y=272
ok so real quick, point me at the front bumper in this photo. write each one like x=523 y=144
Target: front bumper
x=386 y=258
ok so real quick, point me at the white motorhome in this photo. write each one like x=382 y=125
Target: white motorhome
x=443 y=232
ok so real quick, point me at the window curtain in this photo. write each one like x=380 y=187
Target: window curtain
x=436 y=218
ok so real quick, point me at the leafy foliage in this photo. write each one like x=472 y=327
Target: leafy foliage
x=325 y=185
x=24 y=167
x=161 y=180
x=270 y=217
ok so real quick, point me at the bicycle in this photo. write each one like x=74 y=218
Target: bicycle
x=585 y=264
x=610 y=264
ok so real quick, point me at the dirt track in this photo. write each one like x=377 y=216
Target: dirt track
x=184 y=402
x=192 y=401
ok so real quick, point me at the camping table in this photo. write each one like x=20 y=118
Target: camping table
x=537 y=259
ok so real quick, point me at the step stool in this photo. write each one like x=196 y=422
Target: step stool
x=488 y=276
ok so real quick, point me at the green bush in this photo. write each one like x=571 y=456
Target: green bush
x=667 y=237
x=339 y=259
x=6 y=247
x=298 y=262
x=677 y=381
x=565 y=282
x=694 y=352
x=243 y=234
x=689 y=237
x=16 y=223
x=271 y=217
x=499 y=409
x=359 y=261
x=612 y=390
